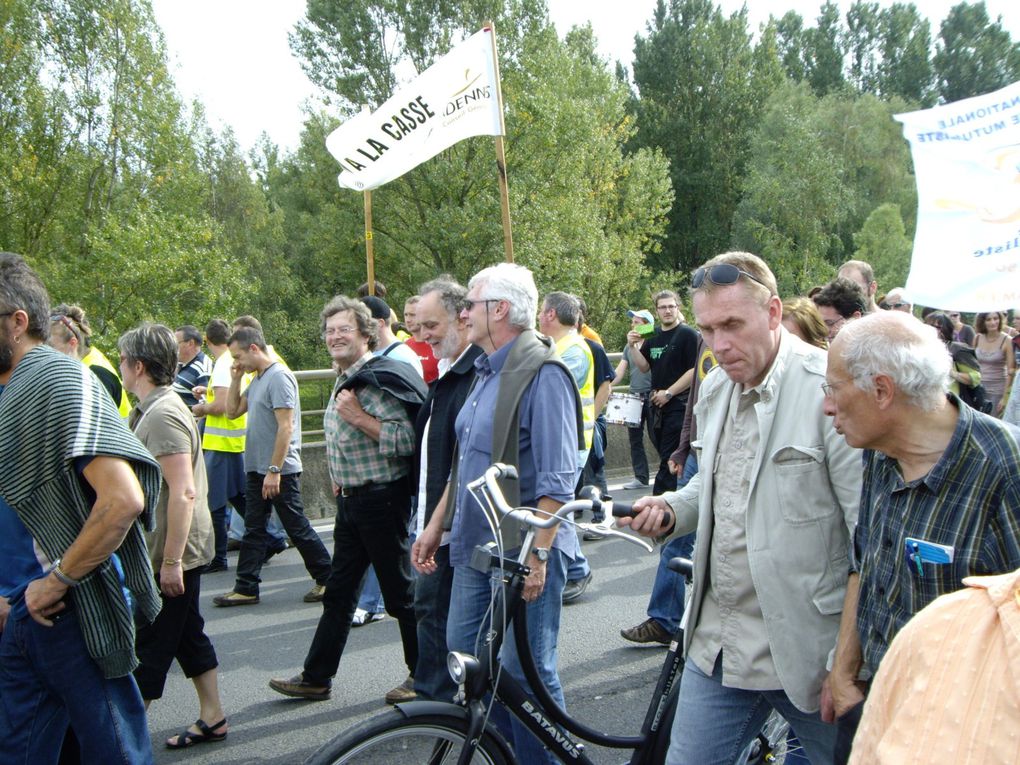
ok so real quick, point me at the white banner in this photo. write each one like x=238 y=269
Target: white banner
x=967 y=161
x=456 y=97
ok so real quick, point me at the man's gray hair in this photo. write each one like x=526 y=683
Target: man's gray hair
x=451 y=294
x=363 y=320
x=516 y=285
x=567 y=308
x=895 y=344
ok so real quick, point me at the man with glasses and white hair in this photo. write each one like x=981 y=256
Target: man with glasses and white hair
x=773 y=505
x=940 y=496
x=524 y=410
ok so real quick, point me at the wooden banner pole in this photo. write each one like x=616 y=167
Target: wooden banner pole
x=504 y=191
x=369 y=246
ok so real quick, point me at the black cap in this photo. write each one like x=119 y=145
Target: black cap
x=377 y=306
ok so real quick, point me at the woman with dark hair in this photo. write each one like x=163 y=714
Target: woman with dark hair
x=995 y=356
x=182 y=543
x=965 y=376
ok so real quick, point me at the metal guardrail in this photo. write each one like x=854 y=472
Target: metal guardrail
x=323 y=379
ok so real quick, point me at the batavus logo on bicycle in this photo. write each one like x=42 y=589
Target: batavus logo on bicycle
x=563 y=741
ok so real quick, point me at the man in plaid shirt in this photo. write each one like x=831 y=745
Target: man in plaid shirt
x=370 y=440
x=939 y=500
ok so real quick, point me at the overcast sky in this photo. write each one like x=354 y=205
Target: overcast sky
x=233 y=55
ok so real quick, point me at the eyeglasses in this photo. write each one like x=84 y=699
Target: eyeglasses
x=723 y=274
x=833 y=323
x=829 y=388
x=335 y=331
x=469 y=304
x=7 y=313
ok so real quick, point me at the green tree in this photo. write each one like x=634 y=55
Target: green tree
x=790 y=44
x=818 y=168
x=702 y=88
x=973 y=55
x=101 y=189
x=862 y=41
x=906 y=69
x=824 y=51
x=882 y=242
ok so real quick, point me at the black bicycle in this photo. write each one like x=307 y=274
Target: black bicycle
x=440 y=733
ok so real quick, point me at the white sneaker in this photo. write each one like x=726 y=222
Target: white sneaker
x=363 y=617
x=635 y=484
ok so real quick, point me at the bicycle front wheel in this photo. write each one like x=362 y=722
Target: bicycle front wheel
x=395 y=739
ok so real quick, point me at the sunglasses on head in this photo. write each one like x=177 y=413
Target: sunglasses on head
x=722 y=275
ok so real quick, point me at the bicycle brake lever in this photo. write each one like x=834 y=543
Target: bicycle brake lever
x=607 y=528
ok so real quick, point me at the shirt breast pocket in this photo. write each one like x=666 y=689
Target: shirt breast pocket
x=803 y=492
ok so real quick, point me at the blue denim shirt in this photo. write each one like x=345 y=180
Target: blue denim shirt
x=548 y=450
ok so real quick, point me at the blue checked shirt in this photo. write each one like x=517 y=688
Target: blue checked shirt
x=970 y=501
x=356 y=458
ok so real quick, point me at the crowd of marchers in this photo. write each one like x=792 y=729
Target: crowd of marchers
x=842 y=467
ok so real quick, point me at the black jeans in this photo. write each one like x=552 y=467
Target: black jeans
x=371 y=528
x=256 y=539
x=664 y=427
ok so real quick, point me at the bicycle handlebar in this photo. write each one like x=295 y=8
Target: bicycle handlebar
x=530 y=516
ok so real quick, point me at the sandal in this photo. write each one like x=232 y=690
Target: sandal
x=207 y=734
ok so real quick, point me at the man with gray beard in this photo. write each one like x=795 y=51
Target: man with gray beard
x=438 y=313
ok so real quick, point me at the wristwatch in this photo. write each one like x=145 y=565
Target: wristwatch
x=542 y=553
x=669 y=394
x=274 y=469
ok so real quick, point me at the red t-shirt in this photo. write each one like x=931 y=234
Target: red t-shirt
x=429 y=363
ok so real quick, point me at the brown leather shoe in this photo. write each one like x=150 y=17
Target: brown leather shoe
x=315 y=594
x=299 y=688
x=233 y=598
x=649 y=631
x=403 y=692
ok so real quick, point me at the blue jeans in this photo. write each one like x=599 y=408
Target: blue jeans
x=714 y=723
x=47 y=681
x=236 y=527
x=371 y=598
x=666 y=604
x=468 y=603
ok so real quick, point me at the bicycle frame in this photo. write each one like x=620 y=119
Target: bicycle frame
x=536 y=709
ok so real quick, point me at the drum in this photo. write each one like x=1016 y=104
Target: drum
x=624 y=409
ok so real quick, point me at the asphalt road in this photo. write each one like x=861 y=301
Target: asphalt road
x=607 y=681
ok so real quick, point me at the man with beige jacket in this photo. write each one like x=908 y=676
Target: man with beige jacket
x=774 y=505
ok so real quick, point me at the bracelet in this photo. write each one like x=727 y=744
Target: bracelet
x=171 y=561
x=63 y=578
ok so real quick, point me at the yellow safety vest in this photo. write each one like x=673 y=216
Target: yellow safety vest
x=223 y=434
x=587 y=390
x=95 y=358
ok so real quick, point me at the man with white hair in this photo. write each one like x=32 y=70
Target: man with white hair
x=940 y=495
x=524 y=410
